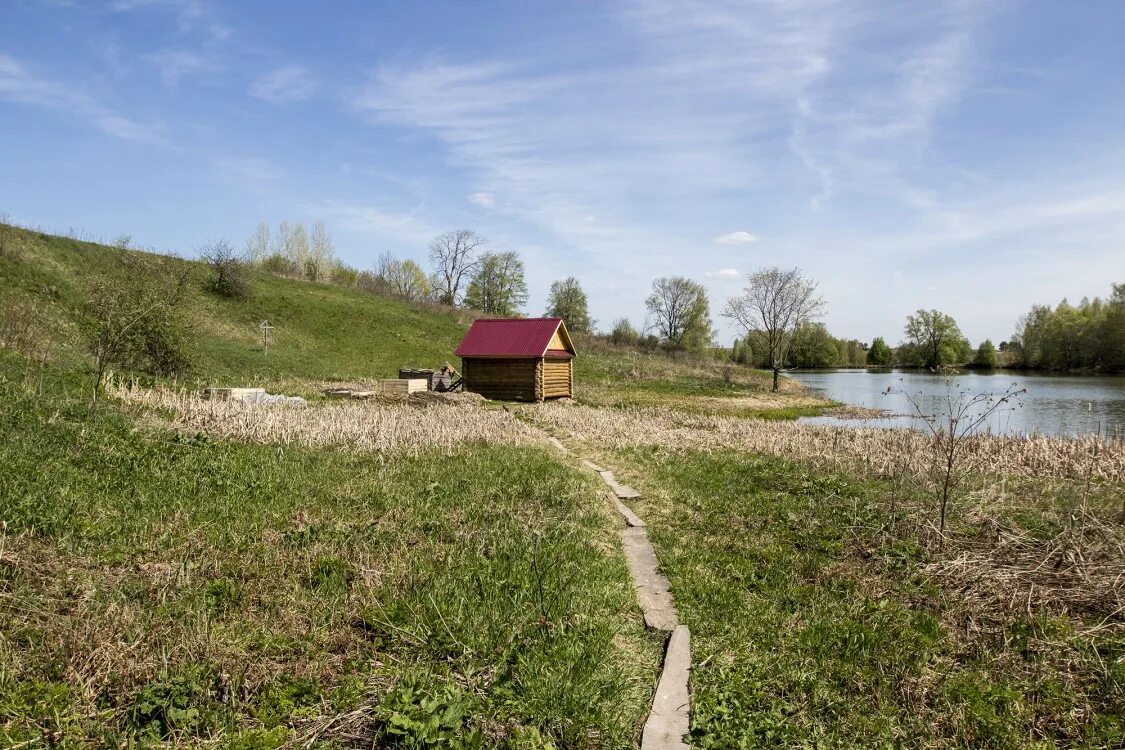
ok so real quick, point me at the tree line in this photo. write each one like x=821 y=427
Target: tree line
x=777 y=312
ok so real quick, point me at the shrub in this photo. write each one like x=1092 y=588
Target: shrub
x=135 y=318
x=624 y=334
x=228 y=271
x=279 y=265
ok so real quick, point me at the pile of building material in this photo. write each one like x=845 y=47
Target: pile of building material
x=251 y=396
x=389 y=387
x=436 y=380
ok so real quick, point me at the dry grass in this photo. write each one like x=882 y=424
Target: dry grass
x=883 y=452
x=398 y=427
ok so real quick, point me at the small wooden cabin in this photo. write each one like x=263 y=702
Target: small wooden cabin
x=518 y=359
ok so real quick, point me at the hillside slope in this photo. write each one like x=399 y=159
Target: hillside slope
x=320 y=332
x=325 y=333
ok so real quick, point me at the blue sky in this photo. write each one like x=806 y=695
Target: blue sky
x=968 y=156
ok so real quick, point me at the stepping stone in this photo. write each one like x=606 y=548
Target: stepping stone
x=592 y=466
x=558 y=444
x=623 y=491
x=653 y=589
x=629 y=516
x=670 y=718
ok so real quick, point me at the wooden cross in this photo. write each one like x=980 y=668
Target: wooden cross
x=265 y=328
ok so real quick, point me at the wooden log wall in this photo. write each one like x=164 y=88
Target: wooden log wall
x=558 y=378
x=503 y=379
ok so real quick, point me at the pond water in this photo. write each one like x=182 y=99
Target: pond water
x=1053 y=404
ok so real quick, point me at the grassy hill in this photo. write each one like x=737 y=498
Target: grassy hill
x=320 y=332
x=330 y=333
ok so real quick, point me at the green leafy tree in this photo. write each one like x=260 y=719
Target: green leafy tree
x=814 y=347
x=985 y=357
x=566 y=300
x=880 y=355
x=679 y=313
x=934 y=338
x=498 y=286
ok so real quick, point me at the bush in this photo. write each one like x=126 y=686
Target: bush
x=228 y=271
x=135 y=318
x=624 y=334
x=278 y=264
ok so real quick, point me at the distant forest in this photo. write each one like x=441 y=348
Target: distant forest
x=1089 y=336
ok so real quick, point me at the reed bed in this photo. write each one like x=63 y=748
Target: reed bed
x=885 y=452
x=372 y=426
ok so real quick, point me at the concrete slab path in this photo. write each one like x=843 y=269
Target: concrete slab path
x=670 y=719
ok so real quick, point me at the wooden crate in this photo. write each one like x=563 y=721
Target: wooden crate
x=233 y=394
x=402 y=386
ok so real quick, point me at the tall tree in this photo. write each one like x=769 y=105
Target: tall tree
x=566 y=300
x=498 y=286
x=775 y=303
x=454 y=258
x=985 y=357
x=404 y=278
x=880 y=355
x=259 y=246
x=935 y=337
x=322 y=254
x=813 y=347
x=297 y=248
x=680 y=313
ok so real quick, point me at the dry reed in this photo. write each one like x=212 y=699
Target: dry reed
x=878 y=450
x=376 y=426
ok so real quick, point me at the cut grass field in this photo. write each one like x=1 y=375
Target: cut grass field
x=165 y=586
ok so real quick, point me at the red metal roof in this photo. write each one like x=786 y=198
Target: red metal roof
x=508 y=337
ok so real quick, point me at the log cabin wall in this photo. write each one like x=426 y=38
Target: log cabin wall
x=558 y=378
x=504 y=379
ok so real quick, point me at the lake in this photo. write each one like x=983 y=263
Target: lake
x=1053 y=404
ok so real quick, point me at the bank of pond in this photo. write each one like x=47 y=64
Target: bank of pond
x=1051 y=404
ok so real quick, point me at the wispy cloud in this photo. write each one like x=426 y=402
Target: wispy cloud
x=484 y=200
x=286 y=85
x=376 y=221
x=736 y=238
x=723 y=273
x=19 y=84
x=177 y=64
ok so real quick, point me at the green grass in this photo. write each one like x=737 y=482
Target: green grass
x=321 y=332
x=160 y=587
x=330 y=333
x=814 y=628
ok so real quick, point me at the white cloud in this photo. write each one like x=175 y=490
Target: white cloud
x=402 y=226
x=18 y=84
x=736 y=238
x=484 y=200
x=723 y=273
x=286 y=85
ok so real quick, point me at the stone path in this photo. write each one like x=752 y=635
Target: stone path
x=669 y=721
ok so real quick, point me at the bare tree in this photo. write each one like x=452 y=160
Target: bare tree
x=228 y=271
x=258 y=247
x=775 y=303
x=322 y=253
x=680 y=313
x=454 y=257
x=959 y=415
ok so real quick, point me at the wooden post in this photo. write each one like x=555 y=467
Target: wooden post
x=265 y=328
